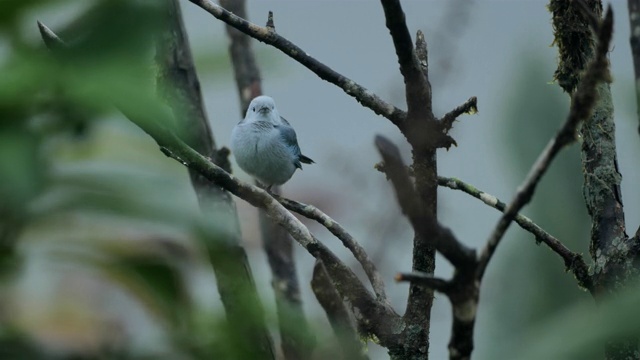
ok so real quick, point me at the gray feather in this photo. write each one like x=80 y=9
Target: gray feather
x=290 y=138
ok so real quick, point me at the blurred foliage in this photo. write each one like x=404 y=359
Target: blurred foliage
x=100 y=234
x=104 y=253
x=579 y=331
x=101 y=240
x=532 y=275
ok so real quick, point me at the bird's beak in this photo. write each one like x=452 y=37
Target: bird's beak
x=264 y=109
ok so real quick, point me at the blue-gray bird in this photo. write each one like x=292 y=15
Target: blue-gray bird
x=265 y=145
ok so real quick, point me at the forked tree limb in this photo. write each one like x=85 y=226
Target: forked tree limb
x=313 y=213
x=573 y=262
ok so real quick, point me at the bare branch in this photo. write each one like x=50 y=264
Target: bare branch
x=469 y=107
x=573 y=262
x=313 y=213
x=296 y=339
x=270 y=24
x=378 y=318
x=426 y=226
x=423 y=55
x=425 y=136
x=427 y=280
x=582 y=105
x=269 y=36
x=338 y=315
x=417 y=90
x=590 y=16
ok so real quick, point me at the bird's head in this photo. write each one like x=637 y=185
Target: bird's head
x=262 y=106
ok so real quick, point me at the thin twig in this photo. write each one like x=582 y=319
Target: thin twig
x=270 y=23
x=269 y=36
x=430 y=281
x=348 y=241
x=469 y=107
x=581 y=107
x=573 y=262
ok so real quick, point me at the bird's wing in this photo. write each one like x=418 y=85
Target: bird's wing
x=291 y=140
x=289 y=137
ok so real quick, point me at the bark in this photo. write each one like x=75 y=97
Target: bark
x=179 y=84
x=338 y=314
x=615 y=255
x=634 y=39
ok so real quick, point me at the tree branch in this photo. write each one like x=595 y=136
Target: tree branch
x=422 y=53
x=615 y=255
x=378 y=318
x=296 y=339
x=425 y=226
x=427 y=280
x=178 y=84
x=421 y=136
x=464 y=289
x=313 y=213
x=338 y=315
x=373 y=316
x=268 y=35
x=469 y=107
x=582 y=105
x=573 y=262
x=417 y=90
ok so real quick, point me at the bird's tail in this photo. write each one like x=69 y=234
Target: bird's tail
x=305 y=160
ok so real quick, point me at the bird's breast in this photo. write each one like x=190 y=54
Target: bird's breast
x=261 y=152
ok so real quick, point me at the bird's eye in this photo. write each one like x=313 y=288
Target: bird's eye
x=254 y=109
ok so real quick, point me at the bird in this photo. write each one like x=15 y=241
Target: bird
x=265 y=145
